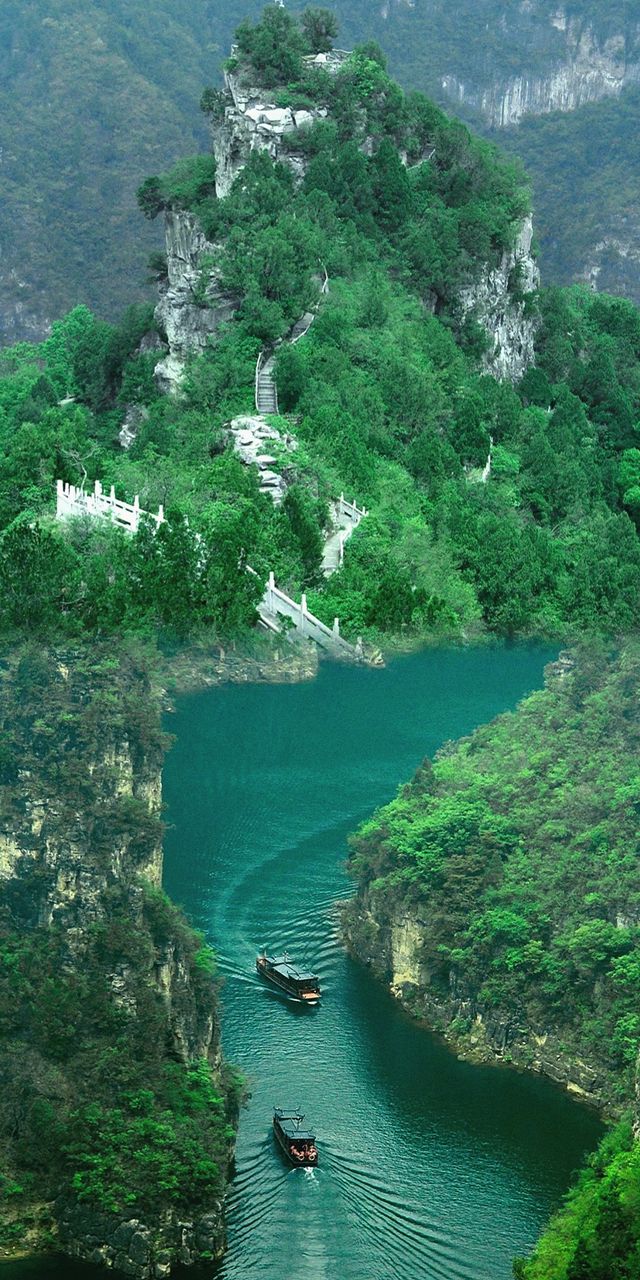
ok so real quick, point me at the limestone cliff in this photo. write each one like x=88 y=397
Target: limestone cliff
x=109 y=1007
x=192 y=304
x=392 y=946
x=500 y=302
x=585 y=67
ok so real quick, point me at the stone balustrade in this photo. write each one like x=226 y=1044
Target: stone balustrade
x=72 y=502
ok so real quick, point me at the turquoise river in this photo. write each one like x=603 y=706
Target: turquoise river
x=430 y=1168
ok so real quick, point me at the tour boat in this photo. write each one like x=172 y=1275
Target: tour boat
x=298 y=1144
x=298 y=984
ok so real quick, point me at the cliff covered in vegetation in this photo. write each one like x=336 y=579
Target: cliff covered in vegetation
x=387 y=398
x=499 y=893
x=117 y=1114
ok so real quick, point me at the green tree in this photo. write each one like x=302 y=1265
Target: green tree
x=320 y=28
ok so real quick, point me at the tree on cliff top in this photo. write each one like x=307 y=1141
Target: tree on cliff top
x=275 y=45
x=320 y=27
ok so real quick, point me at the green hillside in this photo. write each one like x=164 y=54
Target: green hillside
x=388 y=401
x=95 y=95
x=92 y=96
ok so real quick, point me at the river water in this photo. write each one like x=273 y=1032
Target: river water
x=430 y=1169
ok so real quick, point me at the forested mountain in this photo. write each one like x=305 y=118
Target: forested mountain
x=389 y=397
x=95 y=95
x=92 y=96
x=584 y=168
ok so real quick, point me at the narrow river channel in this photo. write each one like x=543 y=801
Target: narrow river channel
x=430 y=1169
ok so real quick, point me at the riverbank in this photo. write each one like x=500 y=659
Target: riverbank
x=495 y=894
x=473 y=1032
x=256 y=659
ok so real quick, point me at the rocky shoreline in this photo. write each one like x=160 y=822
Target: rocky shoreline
x=390 y=950
x=263 y=659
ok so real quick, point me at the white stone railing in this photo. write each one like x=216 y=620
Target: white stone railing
x=72 y=501
x=487 y=466
x=277 y=603
x=351 y=510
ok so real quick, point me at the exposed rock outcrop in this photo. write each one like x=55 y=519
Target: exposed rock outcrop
x=586 y=68
x=613 y=264
x=498 y=301
x=252 y=122
x=192 y=304
x=253 y=440
x=391 y=945
x=131 y=1247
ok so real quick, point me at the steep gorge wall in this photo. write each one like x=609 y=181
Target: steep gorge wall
x=391 y=945
x=80 y=875
x=587 y=67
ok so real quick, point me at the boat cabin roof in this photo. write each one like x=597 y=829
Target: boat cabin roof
x=289 y=970
x=290 y=1122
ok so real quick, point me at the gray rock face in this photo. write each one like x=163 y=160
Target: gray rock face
x=613 y=264
x=134 y=416
x=73 y=884
x=253 y=440
x=390 y=943
x=502 y=313
x=253 y=123
x=135 y=1249
x=591 y=67
x=187 y=324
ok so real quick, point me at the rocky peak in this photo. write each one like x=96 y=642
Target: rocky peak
x=252 y=121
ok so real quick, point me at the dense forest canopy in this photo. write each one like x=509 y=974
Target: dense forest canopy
x=92 y=96
x=583 y=167
x=596 y=1236
x=518 y=849
x=386 y=395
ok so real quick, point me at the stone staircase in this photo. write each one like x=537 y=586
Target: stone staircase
x=266 y=390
